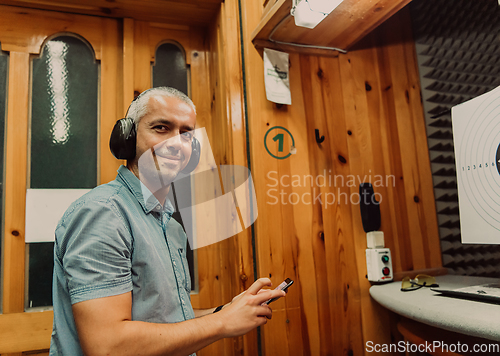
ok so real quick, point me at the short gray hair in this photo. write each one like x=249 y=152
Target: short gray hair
x=139 y=106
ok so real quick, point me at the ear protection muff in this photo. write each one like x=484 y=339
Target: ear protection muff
x=123 y=141
x=195 y=156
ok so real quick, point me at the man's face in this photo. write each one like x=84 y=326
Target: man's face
x=167 y=129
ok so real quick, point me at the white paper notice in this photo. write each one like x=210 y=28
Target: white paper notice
x=44 y=209
x=476 y=136
x=276 y=77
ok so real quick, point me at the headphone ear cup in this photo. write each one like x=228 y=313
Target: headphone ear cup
x=195 y=156
x=123 y=139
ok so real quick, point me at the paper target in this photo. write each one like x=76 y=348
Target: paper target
x=476 y=133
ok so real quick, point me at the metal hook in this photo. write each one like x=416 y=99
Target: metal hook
x=319 y=139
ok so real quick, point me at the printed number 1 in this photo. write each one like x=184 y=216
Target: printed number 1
x=280 y=138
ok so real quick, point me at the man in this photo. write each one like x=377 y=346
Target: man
x=121 y=284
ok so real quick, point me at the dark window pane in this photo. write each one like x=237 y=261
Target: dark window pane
x=64 y=125
x=64 y=116
x=170 y=70
x=4 y=60
x=41 y=265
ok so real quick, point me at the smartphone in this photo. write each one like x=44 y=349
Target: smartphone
x=283 y=286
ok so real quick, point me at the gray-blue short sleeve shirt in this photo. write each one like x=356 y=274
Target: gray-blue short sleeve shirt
x=117 y=239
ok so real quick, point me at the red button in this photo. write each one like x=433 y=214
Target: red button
x=386 y=271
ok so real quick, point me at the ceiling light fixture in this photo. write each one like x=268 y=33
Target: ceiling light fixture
x=309 y=13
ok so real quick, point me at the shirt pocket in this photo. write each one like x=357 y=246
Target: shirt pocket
x=185 y=268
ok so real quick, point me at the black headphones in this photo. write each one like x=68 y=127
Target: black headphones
x=123 y=141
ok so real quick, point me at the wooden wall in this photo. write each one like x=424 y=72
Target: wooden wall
x=367 y=105
x=126 y=50
x=226 y=267
x=22 y=34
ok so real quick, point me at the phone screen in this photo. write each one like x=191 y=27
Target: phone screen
x=283 y=286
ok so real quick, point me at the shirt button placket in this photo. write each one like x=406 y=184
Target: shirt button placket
x=176 y=272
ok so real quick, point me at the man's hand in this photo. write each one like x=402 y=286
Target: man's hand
x=245 y=311
x=105 y=325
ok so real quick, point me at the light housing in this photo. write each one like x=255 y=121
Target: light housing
x=309 y=13
x=324 y=6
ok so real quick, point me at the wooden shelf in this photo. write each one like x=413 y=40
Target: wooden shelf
x=346 y=25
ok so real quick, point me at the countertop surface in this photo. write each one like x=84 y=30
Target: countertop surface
x=470 y=317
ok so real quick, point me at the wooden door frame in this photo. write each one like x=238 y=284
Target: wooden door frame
x=20 y=330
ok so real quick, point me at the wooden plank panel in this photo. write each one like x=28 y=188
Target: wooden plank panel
x=194 y=12
x=318 y=314
x=382 y=176
x=212 y=259
x=343 y=275
x=386 y=145
x=212 y=270
x=15 y=182
x=142 y=58
x=111 y=100
x=289 y=254
x=223 y=144
x=265 y=227
x=18 y=33
x=361 y=157
x=409 y=146
x=274 y=229
x=428 y=215
x=25 y=331
x=279 y=232
x=241 y=244
x=393 y=156
x=207 y=257
x=128 y=64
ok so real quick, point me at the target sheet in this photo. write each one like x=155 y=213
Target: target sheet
x=476 y=136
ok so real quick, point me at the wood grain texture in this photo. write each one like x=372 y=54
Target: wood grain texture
x=212 y=271
x=367 y=106
x=240 y=251
x=128 y=64
x=228 y=265
x=192 y=12
x=361 y=160
x=20 y=35
x=111 y=101
x=346 y=25
x=142 y=57
x=15 y=183
x=33 y=329
x=26 y=30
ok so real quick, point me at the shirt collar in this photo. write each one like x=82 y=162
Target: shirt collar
x=144 y=196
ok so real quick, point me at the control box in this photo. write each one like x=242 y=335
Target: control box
x=379 y=264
